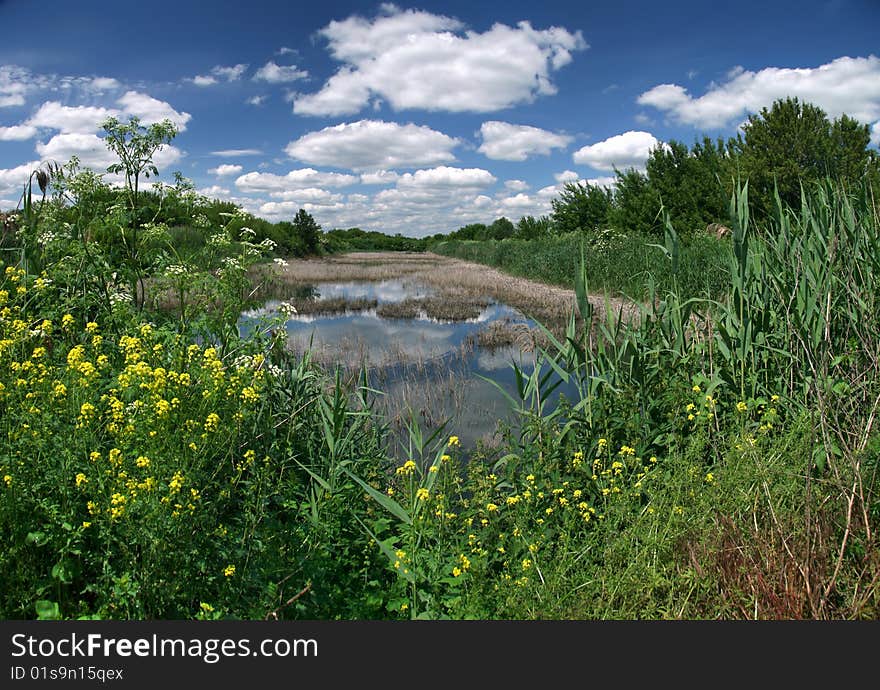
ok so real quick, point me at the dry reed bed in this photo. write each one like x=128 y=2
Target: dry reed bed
x=456 y=282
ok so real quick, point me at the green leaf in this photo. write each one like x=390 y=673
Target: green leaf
x=37 y=538
x=383 y=546
x=47 y=610
x=386 y=502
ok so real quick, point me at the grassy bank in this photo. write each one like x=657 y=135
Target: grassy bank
x=619 y=265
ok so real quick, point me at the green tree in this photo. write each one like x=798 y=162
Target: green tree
x=473 y=231
x=531 y=228
x=501 y=229
x=581 y=207
x=794 y=143
x=307 y=232
x=636 y=204
x=688 y=182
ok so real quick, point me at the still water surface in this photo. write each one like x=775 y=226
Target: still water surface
x=424 y=366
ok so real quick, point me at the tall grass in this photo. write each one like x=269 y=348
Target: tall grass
x=617 y=264
x=782 y=369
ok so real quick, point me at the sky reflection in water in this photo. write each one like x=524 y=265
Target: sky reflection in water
x=424 y=365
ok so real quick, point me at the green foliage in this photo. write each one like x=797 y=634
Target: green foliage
x=501 y=229
x=690 y=183
x=793 y=144
x=619 y=264
x=306 y=231
x=636 y=204
x=531 y=228
x=355 y=239
x=581 y=208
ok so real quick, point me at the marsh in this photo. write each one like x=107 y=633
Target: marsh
x=428 y=330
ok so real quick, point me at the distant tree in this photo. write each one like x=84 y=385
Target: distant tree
x=794 y=143
x=688 y=182
x=531 y=228
x=307 y=231
x=849 y=156
x=581 y=207
x=474 y=231
x=501 y=229
x=636 y=204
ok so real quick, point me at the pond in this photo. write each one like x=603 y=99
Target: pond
x=424 y=365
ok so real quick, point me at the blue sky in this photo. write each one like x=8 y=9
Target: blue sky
x=415 y=118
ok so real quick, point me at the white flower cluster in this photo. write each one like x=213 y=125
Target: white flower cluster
x=119 y=295
x=200 y=220
x=218 y=240
x=246 y=234
x=287 y=309
x=46 y=237
x=280 y=262
x=176 y=270
x=232 y=263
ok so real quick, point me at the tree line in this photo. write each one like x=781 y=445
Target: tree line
x=783 y=149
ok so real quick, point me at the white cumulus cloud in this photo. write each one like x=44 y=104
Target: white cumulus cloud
x=12 y=180
x=225 y=169
x=219 y=72
x=17 y=133
x=845 y=85
x=215 y=191
x=236 y=153
x=151 y=110
x=566 y=176
x=415 y=59
x=279 y=74
x=627 y=150
x=446 y=177
x=379 y=177
x=93 y=153
x=370 y=145
x=304 y=178
x=104 y=84
x=70 y=119
x=508 y=142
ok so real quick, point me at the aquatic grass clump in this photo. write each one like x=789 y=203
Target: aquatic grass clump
x=441 y=308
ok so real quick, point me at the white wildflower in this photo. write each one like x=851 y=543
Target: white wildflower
x=287 y=309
